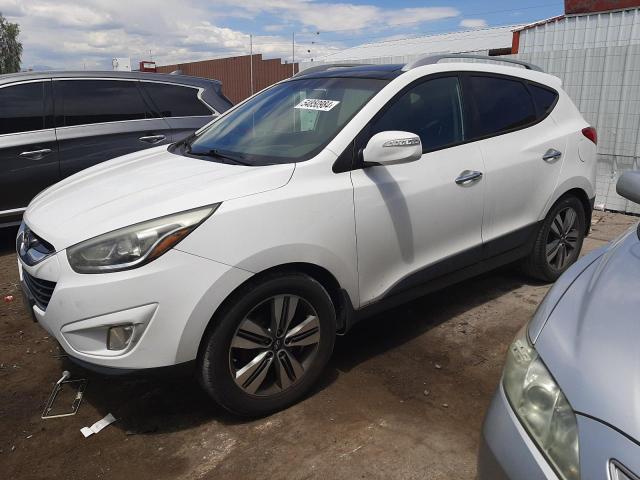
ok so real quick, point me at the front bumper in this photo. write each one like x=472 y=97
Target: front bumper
x=169 y=301
x=506 y=450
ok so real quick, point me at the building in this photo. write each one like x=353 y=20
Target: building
x=486 y=41
x=237 y=73
x=595 y=49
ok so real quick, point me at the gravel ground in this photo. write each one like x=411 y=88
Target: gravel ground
x=403 y=397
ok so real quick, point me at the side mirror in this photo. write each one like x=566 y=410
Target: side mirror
x=628 y=186
x=391 y=148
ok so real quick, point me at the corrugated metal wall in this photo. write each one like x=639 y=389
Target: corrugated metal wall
x=598 y=58
x=235 y=73
x=609 y=29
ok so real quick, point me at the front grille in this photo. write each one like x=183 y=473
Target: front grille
x=41 y=290
x=32 y=248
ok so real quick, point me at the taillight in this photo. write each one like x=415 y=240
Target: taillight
x=591 y=134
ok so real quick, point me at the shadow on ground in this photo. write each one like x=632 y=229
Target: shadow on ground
x=156 y=405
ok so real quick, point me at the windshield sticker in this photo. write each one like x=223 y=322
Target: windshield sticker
x=317 y=104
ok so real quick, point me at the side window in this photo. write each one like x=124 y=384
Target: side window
x=500 y=105
x=431 y=110
x=82 y=102
x=175 y=101
x=22 y=108
x=544 y=98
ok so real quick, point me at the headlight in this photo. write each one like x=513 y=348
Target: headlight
x=133 y=246
x=542 y=407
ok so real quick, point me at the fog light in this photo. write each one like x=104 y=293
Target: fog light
x=119 y=337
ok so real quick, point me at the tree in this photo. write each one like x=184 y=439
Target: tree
x=10 y=47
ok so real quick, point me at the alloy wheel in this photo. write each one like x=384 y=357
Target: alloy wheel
x=274 y=345
x=563 y=238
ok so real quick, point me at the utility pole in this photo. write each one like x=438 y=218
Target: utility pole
x=251 y=61
x=293 y=53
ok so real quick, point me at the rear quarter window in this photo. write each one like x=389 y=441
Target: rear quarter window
x=499 y=105
x=544 y=98
x=176 y=100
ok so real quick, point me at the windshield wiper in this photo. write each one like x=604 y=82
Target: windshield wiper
x=217 y=153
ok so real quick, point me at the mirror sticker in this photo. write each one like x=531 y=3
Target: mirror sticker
x=317 y=104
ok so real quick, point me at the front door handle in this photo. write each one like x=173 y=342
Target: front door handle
x=551 y=154
x=468 y=177
x=35 y=154
x=152 y=138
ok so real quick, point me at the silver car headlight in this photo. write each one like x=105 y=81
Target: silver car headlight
x=134 y=246
x=542 y=407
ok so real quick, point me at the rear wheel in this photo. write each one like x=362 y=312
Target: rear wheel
x=559 y=240
x=269 y=345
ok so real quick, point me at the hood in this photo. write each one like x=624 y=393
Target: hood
x=591 y=341
x=138 y=187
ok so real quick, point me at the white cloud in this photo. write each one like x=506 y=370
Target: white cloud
x=72 y=34
x=341 y=16
x=473 y=23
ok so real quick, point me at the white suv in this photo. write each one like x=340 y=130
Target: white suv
x=244 y=249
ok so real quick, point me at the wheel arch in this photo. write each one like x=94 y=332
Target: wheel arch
x=580 y=188
x=339 y=296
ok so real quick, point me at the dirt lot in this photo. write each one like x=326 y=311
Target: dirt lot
x=403 y=397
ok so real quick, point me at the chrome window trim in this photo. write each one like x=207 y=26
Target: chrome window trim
x=198 y=95
x=51 y=130
x=6 y=213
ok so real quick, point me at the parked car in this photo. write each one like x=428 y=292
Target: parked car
x=54 y=124
x=567 y=404
x=321 y=200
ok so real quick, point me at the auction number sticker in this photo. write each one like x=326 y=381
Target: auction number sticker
x=317 y=104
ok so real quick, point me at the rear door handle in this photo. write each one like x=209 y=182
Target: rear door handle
x=468 y=176
x=551 y=154
x=152 y=138
x=35 y=154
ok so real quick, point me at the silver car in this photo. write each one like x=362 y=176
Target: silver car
x=568 y=405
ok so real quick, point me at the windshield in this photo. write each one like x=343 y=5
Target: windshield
x=289 y=122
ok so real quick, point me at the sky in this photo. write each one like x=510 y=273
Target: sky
x=87 y=34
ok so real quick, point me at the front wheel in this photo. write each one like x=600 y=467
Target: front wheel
x=269 y=345
x=559 y=240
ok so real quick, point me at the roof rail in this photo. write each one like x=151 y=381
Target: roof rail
x=433 y=59
x=328 y=66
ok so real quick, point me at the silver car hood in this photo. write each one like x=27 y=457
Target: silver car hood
x=591 y=340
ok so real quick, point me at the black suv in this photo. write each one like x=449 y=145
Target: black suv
x=53 y=124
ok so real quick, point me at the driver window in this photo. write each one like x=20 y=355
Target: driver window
x=431 y=110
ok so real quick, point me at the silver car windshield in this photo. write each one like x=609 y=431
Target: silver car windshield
x=290 y=122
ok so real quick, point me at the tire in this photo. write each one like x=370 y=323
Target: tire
x=569 y=238
x=252 y=369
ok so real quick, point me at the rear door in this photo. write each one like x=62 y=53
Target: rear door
x=28 y=147
x=180 y=105
x=515 y=133
x=100 y=119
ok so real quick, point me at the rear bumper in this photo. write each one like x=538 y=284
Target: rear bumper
x=506 y=450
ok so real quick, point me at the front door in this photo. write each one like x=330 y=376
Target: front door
x=28 y=146
x=419 y=220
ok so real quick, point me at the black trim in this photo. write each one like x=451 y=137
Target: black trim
x=470 y=263
x=589 y=213
x=180 y=369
